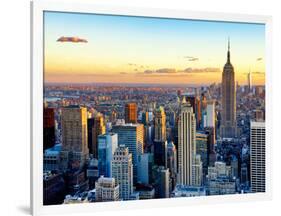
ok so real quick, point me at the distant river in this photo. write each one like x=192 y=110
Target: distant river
x=52 y=99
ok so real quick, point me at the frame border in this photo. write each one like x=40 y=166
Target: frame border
x=37 y=8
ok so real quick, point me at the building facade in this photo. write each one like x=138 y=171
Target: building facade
x=74 y=137
x=107 y=189
x=186 y=144
x=160 y=125
x=257 y=157
x=132 y=136
x=122 y=171
x=48 y=128
x=131 y=115
x=107 y=144
x=98 y=129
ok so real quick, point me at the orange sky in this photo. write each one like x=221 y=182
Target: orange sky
x=149 y=50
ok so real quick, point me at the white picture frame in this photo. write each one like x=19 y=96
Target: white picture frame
x=37 y=9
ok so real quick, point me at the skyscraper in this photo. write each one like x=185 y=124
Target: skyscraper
x=160 y=143
x=131 y=113
x=107 y=144
x=90 y=126
x=210 y=131
x=98 y=129
x=160 y=125
x=202 y=150
x=228 y=126
x=172 y=162
x=122 y=171
x=144 y=118
x=145 y=163
x=211 y=115
x=160 y=153
x=186 y=143
x=196 y=105
x=197 y=172
x=131 y=135
x=161 y=181
x=74 y=136
x=257 y=156
x=48 y=128
x=249 y=76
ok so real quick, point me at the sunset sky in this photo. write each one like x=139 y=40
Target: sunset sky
x=112 y=49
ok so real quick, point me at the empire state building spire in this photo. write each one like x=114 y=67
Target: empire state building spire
x=228 y=51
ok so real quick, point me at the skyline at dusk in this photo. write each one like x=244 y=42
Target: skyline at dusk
x=123 y=49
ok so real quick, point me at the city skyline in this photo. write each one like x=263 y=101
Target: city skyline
x=124 y=121
x=89 y=48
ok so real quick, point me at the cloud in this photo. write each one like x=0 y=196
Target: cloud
x=259 y=59
x=161 y=71
x=166 y=70
x=72 y=39
x=191 y=58
x=194 y=59
x=202 y=70
x=185 y=71
x=123 y=73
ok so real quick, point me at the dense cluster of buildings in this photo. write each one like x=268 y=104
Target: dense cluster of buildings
x=112 y=143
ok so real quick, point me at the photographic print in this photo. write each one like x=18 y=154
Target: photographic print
x=148 y=108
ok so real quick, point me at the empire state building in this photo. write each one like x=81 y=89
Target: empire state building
x=228 y=127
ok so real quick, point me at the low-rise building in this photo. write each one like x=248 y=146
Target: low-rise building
x=107 y=189
x=188 y=191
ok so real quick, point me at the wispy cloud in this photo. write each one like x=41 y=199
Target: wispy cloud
x=161 y=71
x=202 y=70
x=191 y=58
x=188 y=70
x=72 y=39
x=132 y=64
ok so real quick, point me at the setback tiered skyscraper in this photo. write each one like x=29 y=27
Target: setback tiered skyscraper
x=186 y=144
x=122 y=171
x=228 y=127
x=74 y=136
x=257 y=156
